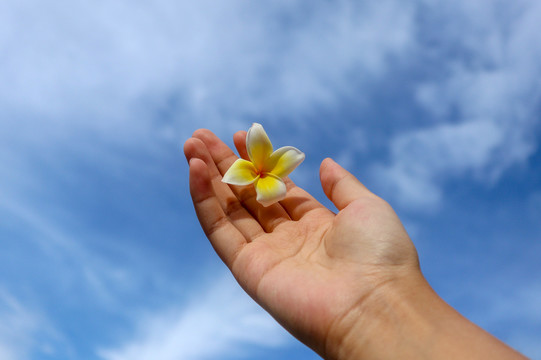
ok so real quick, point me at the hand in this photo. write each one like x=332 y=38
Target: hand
x=348 y=285
x=304 y=264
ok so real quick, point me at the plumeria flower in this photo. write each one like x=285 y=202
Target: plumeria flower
x=266 y=167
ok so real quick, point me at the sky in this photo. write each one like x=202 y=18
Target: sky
x=434 y=105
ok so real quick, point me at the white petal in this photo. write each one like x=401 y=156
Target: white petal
x=241 y=172
x=258 y=145
x=284 y=160
x=270 y=189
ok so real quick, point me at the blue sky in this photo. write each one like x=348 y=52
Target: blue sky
x=435 y=105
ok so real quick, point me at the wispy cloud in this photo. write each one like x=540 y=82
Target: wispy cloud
x=203 y=59
x=16 y=327
x=483 y=102
x=422 y=159
x=23 y=331
x=219 y=320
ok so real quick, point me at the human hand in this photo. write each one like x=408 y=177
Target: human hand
x=348 y=285
x=311 y=269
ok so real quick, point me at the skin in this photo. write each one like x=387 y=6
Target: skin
x=348 y=285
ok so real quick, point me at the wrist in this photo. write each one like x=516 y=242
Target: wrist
x=403 y=318
x=389 y=322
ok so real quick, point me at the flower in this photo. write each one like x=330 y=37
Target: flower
x=266 y=167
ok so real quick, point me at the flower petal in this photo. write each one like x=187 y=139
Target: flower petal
x=258 y=145
x=270 y=189
x=284 y=160
x=241 y=172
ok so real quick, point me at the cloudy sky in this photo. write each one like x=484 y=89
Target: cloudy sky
x=435 y=105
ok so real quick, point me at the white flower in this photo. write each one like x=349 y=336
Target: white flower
x=266 y=168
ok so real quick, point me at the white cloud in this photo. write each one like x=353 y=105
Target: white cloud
x=422 y=158
x=219 y=320
x=199 y=60
x=484 y=102
x=22 y=331
x=49 y=241
x=14 y=335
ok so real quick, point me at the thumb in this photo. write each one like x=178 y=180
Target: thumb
x=340 y=186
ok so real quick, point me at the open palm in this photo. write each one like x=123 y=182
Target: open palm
x=307 y=266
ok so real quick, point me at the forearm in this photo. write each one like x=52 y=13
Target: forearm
x=406 y=319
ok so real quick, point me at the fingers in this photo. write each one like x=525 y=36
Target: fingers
x=238 y=215
x=239 y=139
x=226 y=239
x=221 y=159
x=297 y=202
x=340 y=186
